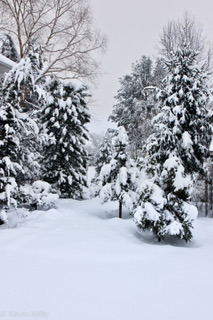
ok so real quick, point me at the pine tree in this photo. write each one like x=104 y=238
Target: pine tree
x=93 y=147
x=118 y=176
x=176 y=151
x=131 y=110
x=159 y=73
x=106 y=151
x=33 y=84
x=102 y=157
x=20 y=91
x=64 y=117
x=131 y=91
x=10 y=164
x=7 y=48
x=187 y=99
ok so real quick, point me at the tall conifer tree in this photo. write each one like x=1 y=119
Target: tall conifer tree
x=10 y=166
x=176 y=151
x=20 y=91
x=64 y=117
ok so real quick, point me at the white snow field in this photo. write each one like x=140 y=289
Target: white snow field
x=80 y=262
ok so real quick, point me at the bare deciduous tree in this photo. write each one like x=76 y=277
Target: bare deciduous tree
x=178 y=33
x=64 y=28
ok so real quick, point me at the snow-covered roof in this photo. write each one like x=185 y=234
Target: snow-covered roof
x=151 y=87
x=211 y=145
x=5 y=64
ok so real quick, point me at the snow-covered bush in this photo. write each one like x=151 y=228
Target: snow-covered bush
x=3 y=217
x=38 y=196
x=94 y=187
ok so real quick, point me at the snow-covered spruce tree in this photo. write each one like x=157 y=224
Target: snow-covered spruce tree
x=126 y=112
x=20 y=91
x=10 y=164
x=159 y=73
x=103 y=156
x=93 y=147
x=33 y=56
x=175 y=152
x=106 y=151
x=64 y=117
x=119 y=175
x=7 y=48
x=131 y=109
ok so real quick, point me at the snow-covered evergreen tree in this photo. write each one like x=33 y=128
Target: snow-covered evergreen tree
x=103 y=156
x=33 y=56
x=187 y=98
x=93 y=147
x=119 y=175
x=20 y=91
x=131 y=110
x=106 y=151
x=20 y=82
x=7 y=48
x=64 y=117
x=10 y=164
x=176 y=151
x=131 y=91
x=159 y=73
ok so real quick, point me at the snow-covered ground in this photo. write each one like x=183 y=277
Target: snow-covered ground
x=80 y=262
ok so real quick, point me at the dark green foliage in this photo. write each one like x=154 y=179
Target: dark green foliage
x=118 y=175
x=7 y=48
x=20 y=91
x=176 y=151
x=10 y=165
x=159 y=73
x=187 y=98
x=135 y=106
x=64 y=118
x=106 y=151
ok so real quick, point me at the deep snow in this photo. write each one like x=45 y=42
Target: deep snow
x=80 y=262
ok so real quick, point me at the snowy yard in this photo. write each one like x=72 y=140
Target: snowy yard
x=80 y=262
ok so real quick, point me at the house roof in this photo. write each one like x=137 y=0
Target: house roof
x=211 y=146
x=5 y=64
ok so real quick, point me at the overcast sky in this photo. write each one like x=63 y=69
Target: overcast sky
x=133 y=28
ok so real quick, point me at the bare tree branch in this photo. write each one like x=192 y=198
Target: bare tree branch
x=64 y=28
x=182 y=32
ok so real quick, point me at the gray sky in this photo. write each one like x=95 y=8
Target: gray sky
x=133 y=28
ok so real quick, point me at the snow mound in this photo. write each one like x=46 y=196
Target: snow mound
x=38 y=196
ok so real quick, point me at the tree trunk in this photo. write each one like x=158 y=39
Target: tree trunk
x=206 y=198
x=211 y=195
x=120 y=209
